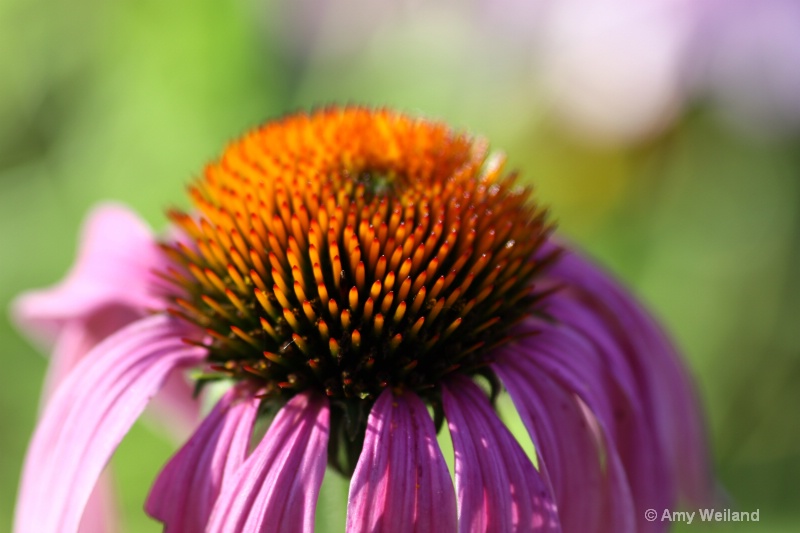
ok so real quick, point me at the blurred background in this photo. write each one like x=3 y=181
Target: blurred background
x=664 y=134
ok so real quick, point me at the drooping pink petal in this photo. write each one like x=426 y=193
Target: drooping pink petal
x=90 y=412
x=498 y=487
x=114 y=267
x=666 y=391
x=633 y=429
x=276 y=489
x=77 y=330
x=174 y=402
x=590 y=497
x=110 y=286
x=187 y=487
x=174 y=406
x=401 y=483
x=583 y=367
x=618 y=515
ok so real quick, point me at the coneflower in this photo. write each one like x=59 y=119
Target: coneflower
x=362 y=278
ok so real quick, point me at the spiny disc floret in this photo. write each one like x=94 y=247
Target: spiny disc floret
x=352 y=250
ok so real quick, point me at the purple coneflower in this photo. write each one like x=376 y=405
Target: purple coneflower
x=360 y=279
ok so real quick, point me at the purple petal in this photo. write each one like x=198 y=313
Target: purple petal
x=114 y=267
x=187 y=487
x=662 y=383
x=599 y=379
x=498 y=487
x=590 y=498
x=275 y=490
x=87 y=417
x=401 y=483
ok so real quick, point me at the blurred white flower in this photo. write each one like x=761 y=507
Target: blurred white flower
x=612 y=69
x=749 y=62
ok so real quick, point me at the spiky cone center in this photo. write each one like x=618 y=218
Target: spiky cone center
x=352 y=250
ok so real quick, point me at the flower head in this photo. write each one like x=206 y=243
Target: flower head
x=348 y=270
x=351 y=252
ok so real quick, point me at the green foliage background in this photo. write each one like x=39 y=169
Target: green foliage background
x=128 y=100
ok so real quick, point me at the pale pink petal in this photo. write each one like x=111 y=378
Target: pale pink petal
x=101 y=514
x=590 y=497
x=109 y=287
x=276 y=488
x=87 y=417
x=114 y=267
x=174 y=409
x=187 y=487
x=73 y=342
x=665 y=389
x=401 y=483
x=76 y=338
x=498 y=487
